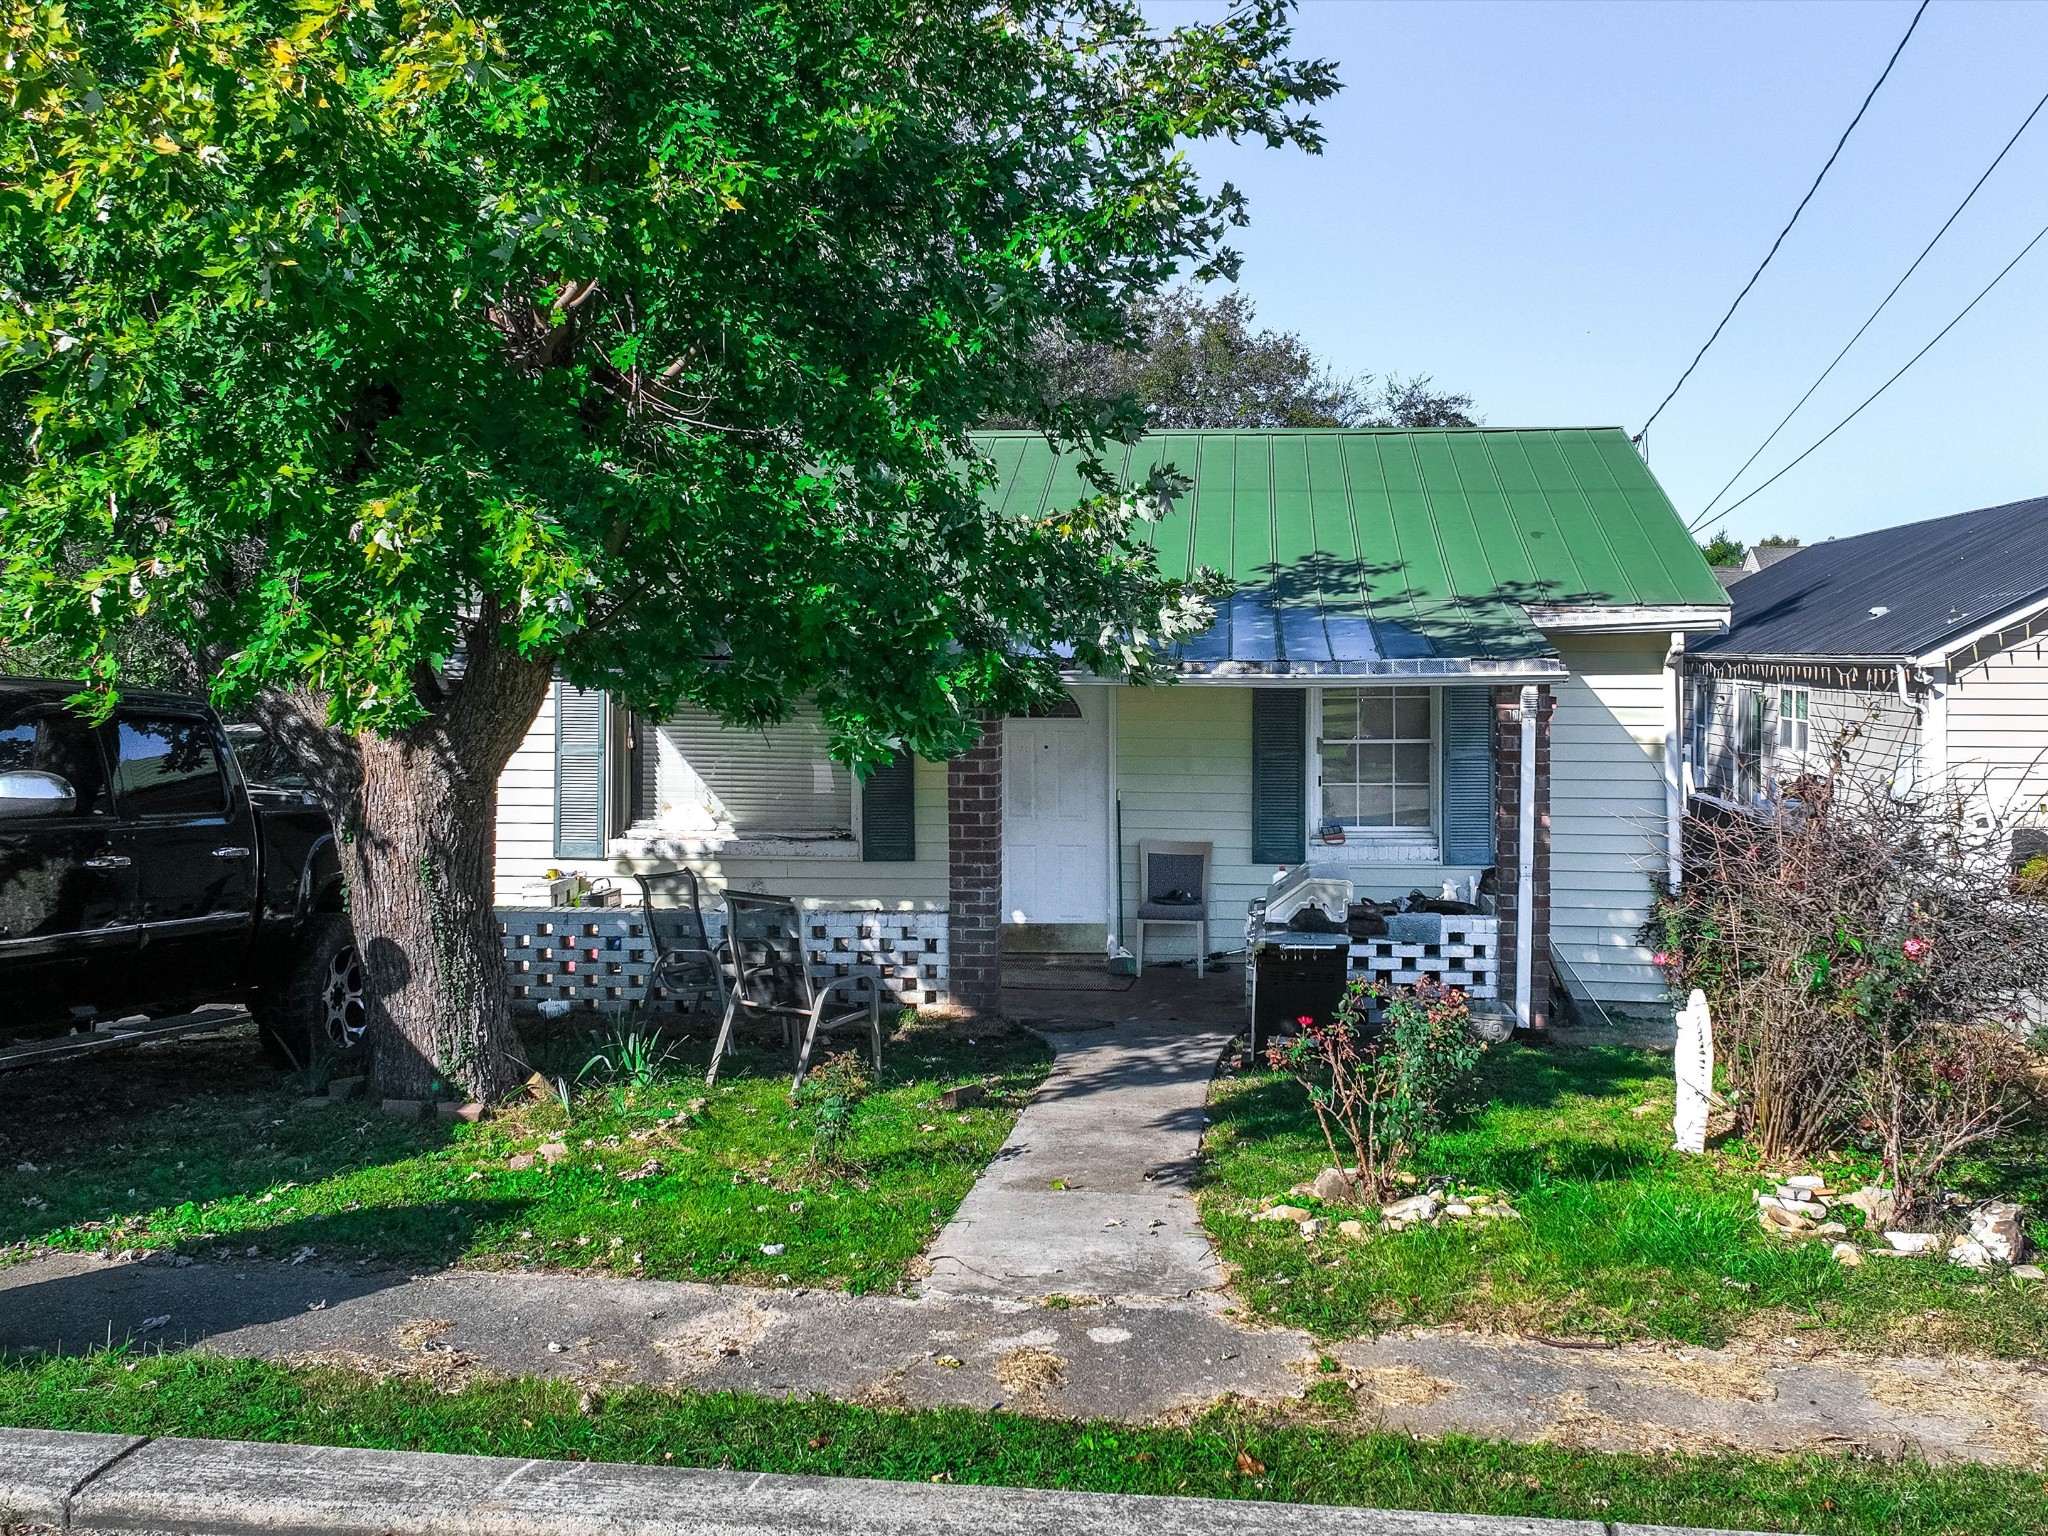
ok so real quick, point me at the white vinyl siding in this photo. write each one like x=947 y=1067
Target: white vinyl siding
x=1607 y=813
x=1876 y=734
x=1998 y=729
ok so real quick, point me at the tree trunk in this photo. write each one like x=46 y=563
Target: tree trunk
x=416 y=819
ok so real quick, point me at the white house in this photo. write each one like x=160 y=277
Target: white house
x=1412 y=609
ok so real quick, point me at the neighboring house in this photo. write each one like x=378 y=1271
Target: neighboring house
x=1760 y=558
x=1920 y=650
x=1401 y=596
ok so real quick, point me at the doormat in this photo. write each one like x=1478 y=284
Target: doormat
x=1054 y=979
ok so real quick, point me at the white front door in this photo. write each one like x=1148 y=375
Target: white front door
x=1056 y=815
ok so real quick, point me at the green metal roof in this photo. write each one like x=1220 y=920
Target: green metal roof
x=1389 y=545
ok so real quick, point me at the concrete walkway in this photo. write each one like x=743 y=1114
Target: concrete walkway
x=1092 y=1194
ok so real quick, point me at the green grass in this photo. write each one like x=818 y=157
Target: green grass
x=1621 y=1237
x=1230 y=1454
x=198 y=1146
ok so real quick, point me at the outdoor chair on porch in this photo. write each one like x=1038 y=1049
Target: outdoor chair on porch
x=687 y=965
x=1173 y=887
x=772 y=979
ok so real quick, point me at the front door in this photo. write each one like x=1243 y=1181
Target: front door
x=1056 y=814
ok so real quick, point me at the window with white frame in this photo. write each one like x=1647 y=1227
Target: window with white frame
x=774 y=783
x=1794 y=706
x=1378 y=759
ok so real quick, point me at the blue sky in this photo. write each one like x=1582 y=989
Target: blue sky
x=1549 y=205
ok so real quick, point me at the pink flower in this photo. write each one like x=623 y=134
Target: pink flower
x=1660 y=958
x=1915 y=948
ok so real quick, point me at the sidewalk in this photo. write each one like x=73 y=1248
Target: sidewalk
x=73 y=1482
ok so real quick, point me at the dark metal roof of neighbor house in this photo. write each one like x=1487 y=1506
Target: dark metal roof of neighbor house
x=1898 y=592
x=1392 y=549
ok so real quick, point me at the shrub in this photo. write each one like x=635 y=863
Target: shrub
x=1387 y=1086
x=1872 y=975
x=828 y=1103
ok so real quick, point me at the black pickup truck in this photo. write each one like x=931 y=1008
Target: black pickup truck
x=145 y=870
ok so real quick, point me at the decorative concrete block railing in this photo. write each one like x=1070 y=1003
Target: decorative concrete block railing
x=603 y=957
x=1452 y=951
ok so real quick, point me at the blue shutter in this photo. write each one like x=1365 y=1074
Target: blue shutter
x=580 y=776
x=888 y=812
x=1279 y=775
x=1468 y=776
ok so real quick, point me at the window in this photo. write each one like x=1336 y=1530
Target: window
x=775 y=782
x=1377 y=758
x=169 y=767
x=1793 y=705
x=48 y=738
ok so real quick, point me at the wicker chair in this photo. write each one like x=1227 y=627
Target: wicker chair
x=764 y=937
x=1173 y=887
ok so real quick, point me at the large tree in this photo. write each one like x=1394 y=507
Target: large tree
x=392 y=357
x=1191 y=361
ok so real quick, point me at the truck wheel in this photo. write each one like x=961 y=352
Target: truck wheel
x=319 y=1008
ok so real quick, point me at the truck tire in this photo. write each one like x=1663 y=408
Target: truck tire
x=318 y=1008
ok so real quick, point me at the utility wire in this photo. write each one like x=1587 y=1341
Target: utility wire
x=1866 y=325
x=1759 y=272
x=1888 y=383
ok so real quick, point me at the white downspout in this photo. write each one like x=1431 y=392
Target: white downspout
x=1525 y=864
x=1674 y=761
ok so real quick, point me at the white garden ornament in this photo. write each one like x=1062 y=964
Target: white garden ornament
x=1693 y=1065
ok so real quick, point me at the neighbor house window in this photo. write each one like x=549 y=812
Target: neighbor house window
x=1377 y=758
x=775 y=782
x=1794 y=705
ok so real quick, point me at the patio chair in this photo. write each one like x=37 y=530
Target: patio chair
x=686 y=963
x=1173 y=887
x=772 y=979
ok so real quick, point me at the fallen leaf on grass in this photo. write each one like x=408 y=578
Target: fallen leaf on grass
x=1249 y=1464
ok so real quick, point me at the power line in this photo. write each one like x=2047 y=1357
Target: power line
x=1888 y=383
x=1759 y=272
x=1866 y=325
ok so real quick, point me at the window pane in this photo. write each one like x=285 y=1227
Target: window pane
x=1340 y=803
x=1411 y=714
x=49 y=739
x=1340 y=714
x=1377 y=763
x=1376 y=806
x=1805 y=699
x=1411 y=807
x=1376 y=715
x=1340 y=764
x=1411 y=765
x=168 y=767
x=773 y=781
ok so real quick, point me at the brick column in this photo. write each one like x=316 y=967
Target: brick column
x=1507 y=780
x=974 y=872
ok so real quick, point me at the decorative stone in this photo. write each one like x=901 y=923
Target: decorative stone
x=966 y=1096
x=1875 y=1203
x=1693 y=1069
x=519 y=1162
x=1314 y=1228
x=1914 y=1242
x=552 y=1151
x=1831 y=1229
x=405 y=1109
x=344 y=1087
x=1969 y=1253
x=1457 y=1208
x=1776 y=1218
x=1355 y=1232
x=1335 y=1186
x=1996 y=1226
x=1806 y=1181
x=1292 y=1213
x=1414 y=1208
x=467 y=1114
x=2029 y=1272
x=1848 y=1255
x=313 y=1104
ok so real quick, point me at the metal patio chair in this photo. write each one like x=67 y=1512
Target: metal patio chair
x=686 y=963
x=1173 y=887
x=764 y=938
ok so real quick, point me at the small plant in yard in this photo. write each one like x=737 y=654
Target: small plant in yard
x=828 y=1103
x=1387 y=1086
x=633 y=1057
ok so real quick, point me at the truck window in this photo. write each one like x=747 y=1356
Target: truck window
x=169 y=767
x=49 y=738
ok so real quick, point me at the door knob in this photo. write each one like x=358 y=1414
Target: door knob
x=108 y=861
x=231 y=852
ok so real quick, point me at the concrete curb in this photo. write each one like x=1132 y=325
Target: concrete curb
x=75 y=1482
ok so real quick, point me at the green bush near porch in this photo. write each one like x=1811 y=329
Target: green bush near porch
x=1619 y=1236
x=200 y=1147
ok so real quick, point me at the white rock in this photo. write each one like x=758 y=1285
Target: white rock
x=1875 y=1204
x=1354 y=1230
x=1283 y=1213
x=1414 y=1208
x=1334 y=1186
x=1806 y=1181
x=1914 y=1242
x=1457 y=1208
x=1831 y=1229
x=1776 y=1218
x=773 y=1250
x=2029 y=1272
x=1314 y=1228
x=1848 y=1255
x=1995 y=1225
x=1969 y=1253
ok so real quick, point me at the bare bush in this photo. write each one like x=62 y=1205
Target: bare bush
x=1875 y=975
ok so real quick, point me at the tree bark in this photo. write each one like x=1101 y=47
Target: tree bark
x=415 y=818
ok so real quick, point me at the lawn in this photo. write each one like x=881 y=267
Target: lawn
x=1226 y=1453
x=200 y=1147
x=1619 y=1236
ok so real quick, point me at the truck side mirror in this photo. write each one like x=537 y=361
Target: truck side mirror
x=27 y=792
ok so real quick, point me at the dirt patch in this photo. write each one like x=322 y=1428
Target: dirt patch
x=1578 y=1425
x=2004 y=1413
x=415 y=1333
x=1030 y=1372
x=1731 y=1378
x=1399 y=1386
x=721 y=1334
x=446 y=1370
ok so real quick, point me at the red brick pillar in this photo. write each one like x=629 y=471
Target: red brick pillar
x=974 y=872
x=1507 y=779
